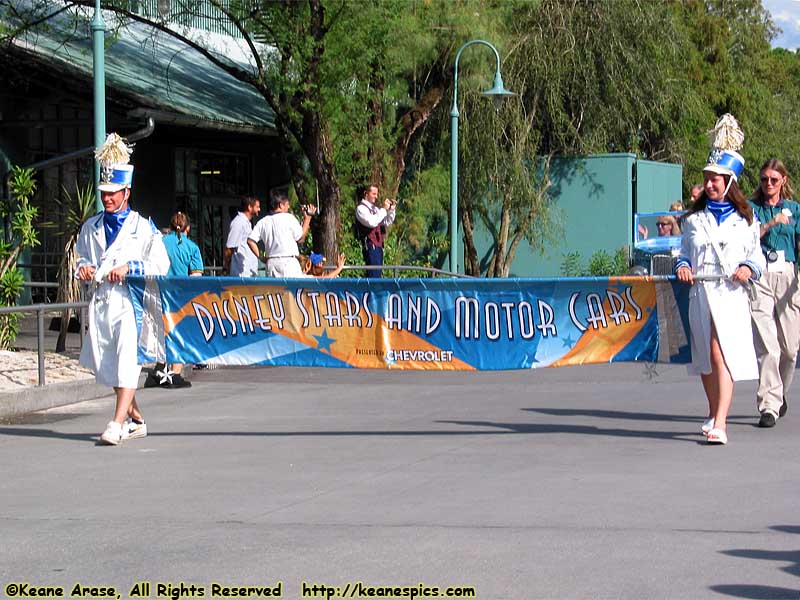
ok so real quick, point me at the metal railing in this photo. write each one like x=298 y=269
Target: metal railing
x=40 y=309
x=397 y=268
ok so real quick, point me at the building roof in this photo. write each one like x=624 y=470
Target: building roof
x=168 y=80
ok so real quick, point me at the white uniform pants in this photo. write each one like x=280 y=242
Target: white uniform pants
x=284 y=266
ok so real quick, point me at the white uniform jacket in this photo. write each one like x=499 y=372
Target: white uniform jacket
x=723 y=301
x=110 y=344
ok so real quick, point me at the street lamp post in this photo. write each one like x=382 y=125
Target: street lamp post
x=497 y=93
x=98 y=41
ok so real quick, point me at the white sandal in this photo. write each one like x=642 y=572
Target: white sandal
x=717 y=436
x=708 y=425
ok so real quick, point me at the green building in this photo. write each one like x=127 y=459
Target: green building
x=594 y=199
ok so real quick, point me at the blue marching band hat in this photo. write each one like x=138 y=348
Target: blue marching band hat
x=726 y=138
x=115 y=171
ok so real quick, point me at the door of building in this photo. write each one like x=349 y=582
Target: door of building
x=209 y=186
x=216 y=213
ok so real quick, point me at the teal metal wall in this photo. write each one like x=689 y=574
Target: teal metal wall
x=657 y=185
x=594 y=199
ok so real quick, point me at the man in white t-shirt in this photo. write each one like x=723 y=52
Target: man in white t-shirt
x=280 y=232
x=238 y=261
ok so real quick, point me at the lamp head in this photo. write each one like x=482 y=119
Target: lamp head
x=498 y=93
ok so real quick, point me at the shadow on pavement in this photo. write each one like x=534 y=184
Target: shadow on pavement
x=758 y=592
x=637 y=416
x=496 y=429
x=521 y=428
x=779 y=556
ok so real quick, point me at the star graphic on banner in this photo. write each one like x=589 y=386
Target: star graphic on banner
x=324 y=342
x=568 y=341
x=389 y=360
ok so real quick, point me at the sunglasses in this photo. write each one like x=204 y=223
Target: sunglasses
x=772 y=180
x=663 y=224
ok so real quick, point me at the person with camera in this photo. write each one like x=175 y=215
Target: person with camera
x=280 y=233
x=776 y=309
x=371 y=223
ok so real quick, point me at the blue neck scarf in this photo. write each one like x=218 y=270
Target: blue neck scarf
x=112 y=223
x=720 y=210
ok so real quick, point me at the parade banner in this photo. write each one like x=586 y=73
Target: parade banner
x=422 y=324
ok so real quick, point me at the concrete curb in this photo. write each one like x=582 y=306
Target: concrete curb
x=35 y=398
x=31 y=399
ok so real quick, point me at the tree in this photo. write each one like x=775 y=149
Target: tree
x=357 y=89
x=593 y=76
x=81 y=207
x=350 y=83
x=505 y=186
x=17 y=216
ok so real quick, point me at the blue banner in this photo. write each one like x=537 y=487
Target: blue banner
x=423 y=324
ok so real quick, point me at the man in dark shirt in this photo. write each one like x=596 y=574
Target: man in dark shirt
x=371 y=223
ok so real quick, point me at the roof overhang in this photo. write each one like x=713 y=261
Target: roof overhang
x=160 y=76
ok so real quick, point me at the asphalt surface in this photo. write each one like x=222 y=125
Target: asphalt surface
x=581 y=482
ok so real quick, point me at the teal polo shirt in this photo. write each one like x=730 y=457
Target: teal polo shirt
x=184 y=255
x=780 y=237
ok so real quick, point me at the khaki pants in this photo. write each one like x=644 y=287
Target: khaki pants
x=776 y=334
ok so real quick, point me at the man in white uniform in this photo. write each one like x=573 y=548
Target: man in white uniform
x=238 y=260
x=111 y=245
x=280 y=232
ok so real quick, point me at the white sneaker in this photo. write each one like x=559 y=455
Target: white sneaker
x=132 y=429
x=113 y=434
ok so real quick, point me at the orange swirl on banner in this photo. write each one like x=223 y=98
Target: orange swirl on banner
x=603 y=344
x=206 y=299
x=359 y=346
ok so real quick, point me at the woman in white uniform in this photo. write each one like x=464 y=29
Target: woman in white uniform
x=720 y=255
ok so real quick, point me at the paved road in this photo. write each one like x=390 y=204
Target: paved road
x=588 y=482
